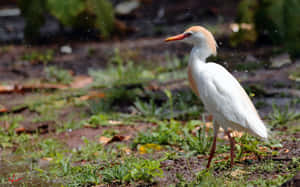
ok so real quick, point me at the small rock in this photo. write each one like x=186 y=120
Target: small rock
x=280 y=60
x=66 y=49
x=126 y=7
x=251 y=58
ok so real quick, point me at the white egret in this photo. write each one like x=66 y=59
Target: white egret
x=221 y=94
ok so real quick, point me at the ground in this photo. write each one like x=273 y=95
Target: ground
x=121 y=113
x=122 y=127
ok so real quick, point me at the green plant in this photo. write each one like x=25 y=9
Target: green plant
x=178 y=135
x=54 y=74
x=115 y=100
x=39 y=57
x=120 y=72
x=150 y=109
x=76 y=13
x=281 y=116
x=201 y=141
x=132 y=169
x=90 y=151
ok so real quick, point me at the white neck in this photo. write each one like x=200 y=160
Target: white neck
x=199 y=53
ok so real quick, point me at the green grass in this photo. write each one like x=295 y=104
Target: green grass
x=54 y=74
x=132 y=170
x=180 y=135
x=280 y=117
x=39 y=57
x=165 y=124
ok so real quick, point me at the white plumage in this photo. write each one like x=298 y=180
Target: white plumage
x=224 y=98
x=221 y=93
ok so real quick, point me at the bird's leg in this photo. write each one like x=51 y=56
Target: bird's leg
x=212 y=152
x=213 y=148
x=232 y=142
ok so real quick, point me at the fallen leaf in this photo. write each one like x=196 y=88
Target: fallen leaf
x=201 y=156
x=233 y=134
x=237 y=172
x=6 y=88
x=27 y=88
x=47 y=158
x=20 y=129
x=236 y=134
x=92 y=95
x=2 y=110
x=249 y=157
x=104 y=140
x=263 y=149
x=117 y=138
x=120 y=138
x=81 y=81
x=113 y=122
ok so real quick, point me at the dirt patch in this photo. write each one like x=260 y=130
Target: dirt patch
x=74 y=138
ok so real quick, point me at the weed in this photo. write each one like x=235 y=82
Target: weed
x=203 y=178
x=280 y=117
x=132 y=169
x=39 y=57
x=199 y=142
x=121 y=74
x=89 y=151
x=150 y=109
x=54 y=74
x=117 y=99
x=177 y=134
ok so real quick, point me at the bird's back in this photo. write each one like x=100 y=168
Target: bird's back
x=224 y=97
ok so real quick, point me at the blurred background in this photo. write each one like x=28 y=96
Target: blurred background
x=88 y=85
x=53 y=41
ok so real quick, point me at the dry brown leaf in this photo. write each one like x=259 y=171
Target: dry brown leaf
x=287 y=150
x=249 y=157
x=47 y=158
x=117 y=138
x=92 y=95
x=3 y=110
x=201 y=156
x=20 y=129
x=237 y=134
x=6 y=88
x=237 y=172
x=233 y=134
x=113 y=122
x=264 y=149
x=81 y=81
x=104 y=140
x=27 y=88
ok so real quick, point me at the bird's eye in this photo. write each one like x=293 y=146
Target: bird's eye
x=188 y=34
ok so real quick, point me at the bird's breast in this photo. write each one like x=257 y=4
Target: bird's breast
x=192 y=82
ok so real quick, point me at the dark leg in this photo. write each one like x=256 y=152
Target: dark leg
x=213 y=148
x=232 y=142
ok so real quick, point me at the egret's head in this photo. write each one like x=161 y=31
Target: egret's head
x=197 y=35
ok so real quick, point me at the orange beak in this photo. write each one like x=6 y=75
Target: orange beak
x=177 y=37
